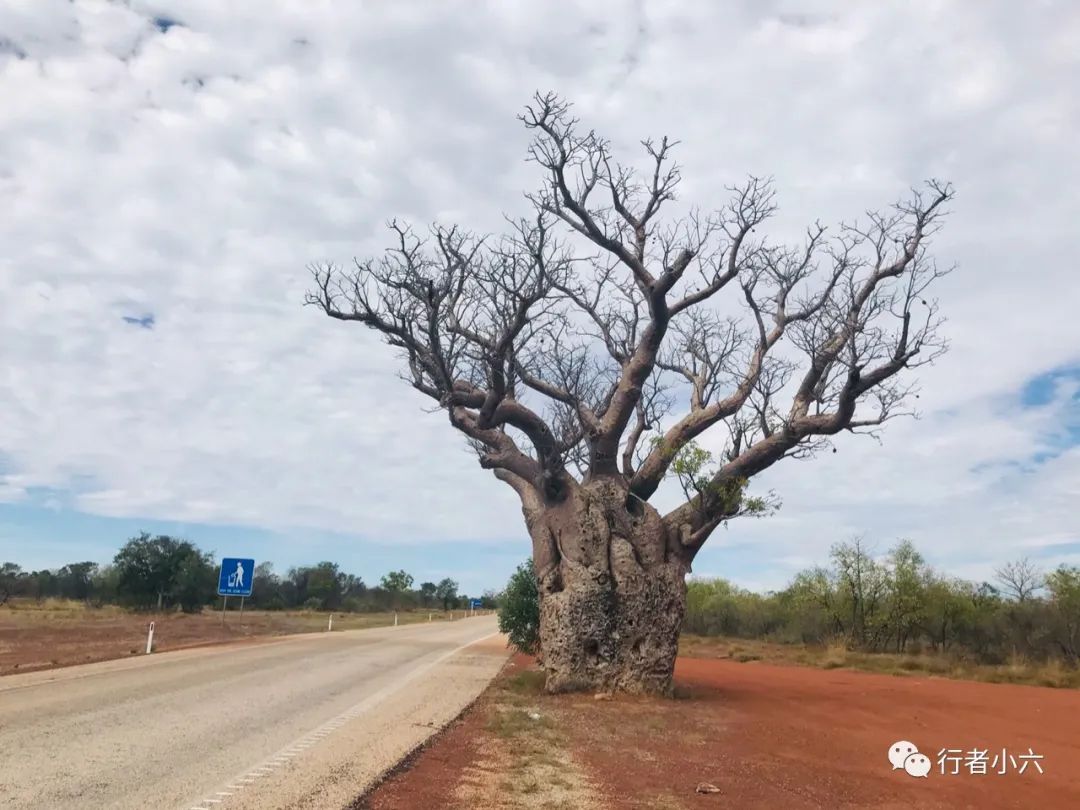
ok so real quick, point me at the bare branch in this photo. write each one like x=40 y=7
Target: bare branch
x=574 y=332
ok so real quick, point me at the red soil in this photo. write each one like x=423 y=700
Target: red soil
x=775 y=736
x=791 y=737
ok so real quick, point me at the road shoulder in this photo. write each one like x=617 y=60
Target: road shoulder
x=510 y=751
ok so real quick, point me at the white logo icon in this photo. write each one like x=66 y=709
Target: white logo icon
x=917 y=764
x=899 y=751
x=905 y=756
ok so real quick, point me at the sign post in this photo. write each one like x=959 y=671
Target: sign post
x=234 y=579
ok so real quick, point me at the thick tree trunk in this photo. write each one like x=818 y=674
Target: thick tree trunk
x=612 y=591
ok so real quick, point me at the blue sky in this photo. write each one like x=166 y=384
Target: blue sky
x=174 y=166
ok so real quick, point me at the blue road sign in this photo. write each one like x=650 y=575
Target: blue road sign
x=476 y=603
x=234 y=578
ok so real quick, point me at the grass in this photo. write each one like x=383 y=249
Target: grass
x=509 y=722
x=21 y=611
x=52 y=609
x=57 y=632
x=836 y=656
x=526 y=682
x=530 y=761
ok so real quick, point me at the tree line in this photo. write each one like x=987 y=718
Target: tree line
x=168 y=573
x=899 y=603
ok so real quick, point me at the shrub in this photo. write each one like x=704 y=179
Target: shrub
x=519 y=609
x=353 y=604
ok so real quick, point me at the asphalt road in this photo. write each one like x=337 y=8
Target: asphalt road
x=306 y=721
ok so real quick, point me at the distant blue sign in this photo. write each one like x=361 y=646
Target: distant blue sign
x=235 y=577
x=476 y=603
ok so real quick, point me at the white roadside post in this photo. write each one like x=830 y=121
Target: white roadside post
x=429 y=617
x=395 y=618
x=330 y=623
x=150 y=639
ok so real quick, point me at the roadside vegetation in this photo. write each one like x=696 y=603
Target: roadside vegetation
x=892 y=614
x=519 y=610
x=165 y=573
x=897 y=614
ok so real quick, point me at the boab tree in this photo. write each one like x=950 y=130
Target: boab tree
x=560 y=349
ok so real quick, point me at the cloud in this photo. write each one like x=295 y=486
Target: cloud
x=189 y=160
x=144 y=321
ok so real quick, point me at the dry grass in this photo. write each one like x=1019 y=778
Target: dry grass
x=28 y=612
x=524 y=760
x=837 y=656
x=55 y=632
x=49 y=610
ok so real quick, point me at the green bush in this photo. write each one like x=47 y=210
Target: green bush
x=352 y=604
x=519 y=609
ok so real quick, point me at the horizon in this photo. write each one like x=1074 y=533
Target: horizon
x=876 y=552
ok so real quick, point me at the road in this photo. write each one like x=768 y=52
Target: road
x=304 y=721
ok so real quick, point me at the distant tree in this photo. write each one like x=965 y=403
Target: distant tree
x=195 y=581
x=265 y=587
x=396 y=583
x=907 y=578
x=10 y=576
x=353 y=588
x=105 y=585
x=861 y=586
x=163 y=570
x=519 y=609
x=427 y=593
x=489 y=600
x=294 y=586
x=1064 y=587
x=447 y=593
x=949 y=611
x=76 y=580
x=44 y=583
x=1019 y=579
x=326 y=583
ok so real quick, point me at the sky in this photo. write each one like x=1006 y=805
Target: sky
x=169 y=169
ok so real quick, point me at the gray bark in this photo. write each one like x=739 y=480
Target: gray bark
x=612 y=591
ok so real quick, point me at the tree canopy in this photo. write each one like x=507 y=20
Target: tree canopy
x=561 y=348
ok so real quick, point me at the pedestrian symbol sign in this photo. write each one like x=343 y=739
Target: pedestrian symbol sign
x=235 y=577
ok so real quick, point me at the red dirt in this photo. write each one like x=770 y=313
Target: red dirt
x=427 y=778
x=45 y=642
x=34 y=638
x=789 y=737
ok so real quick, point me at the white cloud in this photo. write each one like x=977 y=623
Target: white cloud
x=193 y=174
